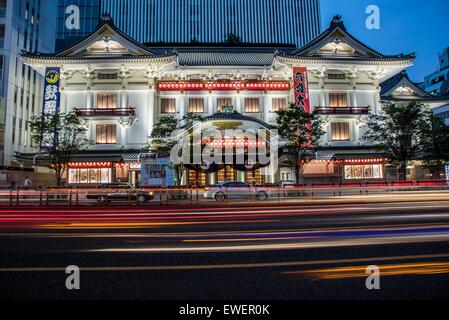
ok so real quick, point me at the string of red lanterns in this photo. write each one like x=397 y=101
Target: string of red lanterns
x=223 y=85
x=104 y=164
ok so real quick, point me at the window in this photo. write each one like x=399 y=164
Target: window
x=107 y=76
x=222 y=102
x=252 y=105
x=338 y=99
x=196 y=105
x=106 y=134
x=357 y=172
x=340 y=131
x=168 y=105
x=336 y=76
x=278 y=104
x=106 y=100
x=94 y=175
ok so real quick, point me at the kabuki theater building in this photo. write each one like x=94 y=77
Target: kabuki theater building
x=123 y=88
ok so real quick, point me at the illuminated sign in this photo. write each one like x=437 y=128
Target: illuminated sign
x=301 y=88
x=447 y=172
x=157 y=172
x=51 y=98
x=223 y=85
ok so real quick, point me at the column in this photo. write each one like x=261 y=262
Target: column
x=266 y=105
x=210 y=104
x=322 y=93
x=151 y=106
x=238 y=102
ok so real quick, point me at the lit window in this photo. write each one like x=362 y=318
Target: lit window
x=106 y=100
x=278 y=104
x=106 y=134
x=168 y=105
x=252 y=105
x=340 y=131
x=222 y=102
x=91 y=175
x=357 y=172
x=338 y=99
x=196 y=105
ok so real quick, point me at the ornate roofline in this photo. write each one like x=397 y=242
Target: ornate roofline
x=35 y=59
x=338 y=25
x=392 y=83
x=406 y=60
x=105 y=22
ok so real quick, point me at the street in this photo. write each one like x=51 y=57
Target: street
x=315 y=251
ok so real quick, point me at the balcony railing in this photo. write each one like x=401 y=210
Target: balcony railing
x=343 y=110
x=106 y=112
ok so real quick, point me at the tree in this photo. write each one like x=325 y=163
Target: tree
x=60 y=136
x=402 y=130
x=437 y=145
x=232 y=38
x=162 y=140
x=301 y=131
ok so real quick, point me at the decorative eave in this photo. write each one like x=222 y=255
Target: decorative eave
x=402 y=80
x=338 y=33
x=406 y=60
x=106 y=25
x=47 y=60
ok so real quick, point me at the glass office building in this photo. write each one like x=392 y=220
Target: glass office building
x=207 y=21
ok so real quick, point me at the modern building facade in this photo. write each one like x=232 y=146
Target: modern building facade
x=207 y=21
x=437 y=83
x=24 y=25
x=124 y=88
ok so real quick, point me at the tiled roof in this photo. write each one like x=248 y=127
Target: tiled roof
x=87 y=156
x=225 y=57
x=337 y=24
x=420 y=94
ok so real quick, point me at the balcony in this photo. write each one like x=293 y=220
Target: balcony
x=343 y=110
x=106 y=112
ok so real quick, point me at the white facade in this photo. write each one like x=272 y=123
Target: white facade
x=108 y=69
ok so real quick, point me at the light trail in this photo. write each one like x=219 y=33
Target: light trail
x=282 y=246
x=424 y=268
x=228 y=266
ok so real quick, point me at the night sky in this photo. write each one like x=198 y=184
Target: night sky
x=406 y=26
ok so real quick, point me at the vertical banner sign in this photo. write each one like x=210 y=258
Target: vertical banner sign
x=447 y=172
x=301 y=88
x=51 y=96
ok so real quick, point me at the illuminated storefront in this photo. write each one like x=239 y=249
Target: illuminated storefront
x=89 y=172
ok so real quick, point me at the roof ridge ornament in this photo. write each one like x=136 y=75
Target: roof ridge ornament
x=337 y=22
x=106 y=18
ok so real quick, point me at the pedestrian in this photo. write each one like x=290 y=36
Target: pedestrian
x=27 y=183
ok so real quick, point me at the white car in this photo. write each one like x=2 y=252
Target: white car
x=235 y=190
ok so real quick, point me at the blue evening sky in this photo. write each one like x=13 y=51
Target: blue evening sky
x=406 y=26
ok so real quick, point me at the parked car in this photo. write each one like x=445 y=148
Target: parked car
x=236 y=190
x=120 y=192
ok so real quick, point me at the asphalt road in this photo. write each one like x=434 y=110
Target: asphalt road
x=265 y=252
